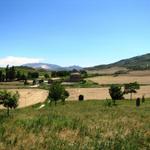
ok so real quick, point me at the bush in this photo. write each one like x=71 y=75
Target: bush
x=81 y=97
x=138 y=102
x=41 y=81
x=26 y=82
x=9 y=100
x=108 y=103
x=143 y=99
x=34 y=82
x=83 y=82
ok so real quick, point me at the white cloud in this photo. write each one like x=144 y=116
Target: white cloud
x=17 y=61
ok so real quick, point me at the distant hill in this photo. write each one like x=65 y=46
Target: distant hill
x=135 y=63
x=51 y=67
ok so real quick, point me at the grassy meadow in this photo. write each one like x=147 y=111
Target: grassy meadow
x=88 y=125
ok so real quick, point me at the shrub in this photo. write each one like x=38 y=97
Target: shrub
x=9 y=100
x=34 y=82
x=108 y=103
x=41 y=81
x=83 y=82
x=26 y=82
x=143 y=99
x=138 y=101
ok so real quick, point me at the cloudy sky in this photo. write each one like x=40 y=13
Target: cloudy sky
x=73 y=32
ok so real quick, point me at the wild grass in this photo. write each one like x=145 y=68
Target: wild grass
x=77 y=125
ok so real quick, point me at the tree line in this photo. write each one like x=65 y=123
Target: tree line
x=11 y=74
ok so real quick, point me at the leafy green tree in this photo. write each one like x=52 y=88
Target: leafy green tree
x=65 y=96
x=18 y=75
x=131 y=88
x=46 y=76
x=23 y=77
x=57 y=92
x=12 y=73
x=1 y=76
x=116 y=93
x=7 y=72
x=33 y=75
x=9 y=100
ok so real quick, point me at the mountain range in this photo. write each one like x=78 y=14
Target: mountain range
x=141 y=62
x=135 y=63
x=52 y=67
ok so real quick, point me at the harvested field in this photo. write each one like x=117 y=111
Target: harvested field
x=140 y=73
x=102 y=93
x=31 y=96
x=120 y=79
x=108 y=71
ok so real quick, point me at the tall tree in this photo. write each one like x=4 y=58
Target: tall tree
x=7 y=72
x=57 y=92
x=131 y=88
x=116 y=93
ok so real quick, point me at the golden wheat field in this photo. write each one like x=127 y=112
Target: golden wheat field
x=30 y=97
x=120 y=79
x=33 y=96
x=103 y=93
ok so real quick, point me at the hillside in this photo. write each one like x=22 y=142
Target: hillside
x=135 y=63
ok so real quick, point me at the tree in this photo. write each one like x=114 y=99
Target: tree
x=9 y=100
x=7 y=72
x=23 y=77
x=46 y=76
x=116 y=93
x=1 y=76
x=57 y=92
x=18 y=75
x=65 y=96
x=33 y=75
x=12 y=73
x=131 y=88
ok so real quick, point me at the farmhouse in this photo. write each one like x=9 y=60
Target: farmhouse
x=75 y=77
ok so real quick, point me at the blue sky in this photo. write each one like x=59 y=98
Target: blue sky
x=73 y=32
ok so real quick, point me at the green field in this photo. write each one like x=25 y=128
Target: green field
x=77 y=125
